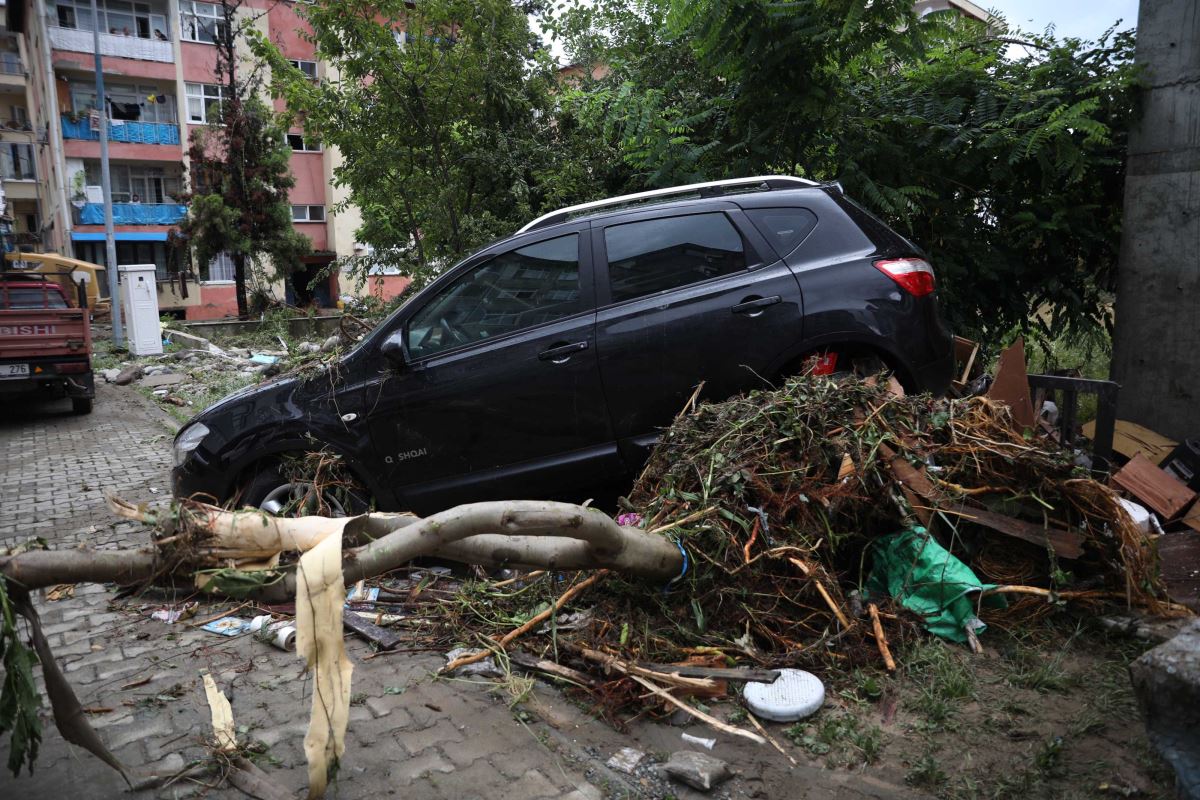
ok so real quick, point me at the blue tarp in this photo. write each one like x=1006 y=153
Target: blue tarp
x=120 y=236
x=134 y=213
x=120 y=131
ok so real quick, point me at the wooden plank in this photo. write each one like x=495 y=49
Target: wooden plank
x=373 y=633
x=550 y=668
x=965 y=353
x=1011 y=385
x=1191 y=517
x=1130 y=439
x=719 y=673
x=1179 y=566
x=1153 y=488
x=1066 y=544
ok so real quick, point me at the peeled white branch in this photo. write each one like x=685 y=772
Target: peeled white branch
x=509 y=533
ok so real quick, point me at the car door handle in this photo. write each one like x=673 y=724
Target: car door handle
x=754 y=307
x=560 y=354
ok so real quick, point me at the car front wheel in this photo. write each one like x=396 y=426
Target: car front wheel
x=283 y=493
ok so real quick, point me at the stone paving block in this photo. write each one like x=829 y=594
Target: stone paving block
x=409 y=770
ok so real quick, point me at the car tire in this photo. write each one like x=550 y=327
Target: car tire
x=81 y=405
x=274 y=492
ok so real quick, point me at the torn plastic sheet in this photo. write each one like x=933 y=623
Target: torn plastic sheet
x=927 y=579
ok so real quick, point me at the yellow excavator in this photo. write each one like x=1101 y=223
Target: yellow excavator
x=67 y=272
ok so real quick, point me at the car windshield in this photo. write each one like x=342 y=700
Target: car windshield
x=31 y=297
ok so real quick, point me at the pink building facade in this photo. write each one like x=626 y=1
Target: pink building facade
x=159 y=65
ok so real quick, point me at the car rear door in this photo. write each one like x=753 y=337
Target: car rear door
x=500 y=397
x=685 y=297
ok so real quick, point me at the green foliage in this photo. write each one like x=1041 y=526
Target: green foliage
x=1004 y=162
x=441 y=112
x=240 y=174
x=19 y=700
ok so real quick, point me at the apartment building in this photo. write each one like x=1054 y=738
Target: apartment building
x=159 y=62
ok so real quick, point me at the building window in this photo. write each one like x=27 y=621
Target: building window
x=129 y=102
x=301 y=145
x=136 y=184
x=309 y=68
x=308 y=213
x=114 y=17
x=220 y=269
x=204 y=102
x=16 y=162
x=201 y=22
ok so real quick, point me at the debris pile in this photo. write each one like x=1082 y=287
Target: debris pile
x=784 y=502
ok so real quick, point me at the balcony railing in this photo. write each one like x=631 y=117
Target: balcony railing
x=80 y=41
x=134 y=213
x=10 y=64
x=123 y=131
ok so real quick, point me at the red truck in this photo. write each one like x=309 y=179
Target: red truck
x=45 y=344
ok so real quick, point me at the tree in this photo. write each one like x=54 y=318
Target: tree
x=239 y=171
x=1007 y=170
x=441 y=112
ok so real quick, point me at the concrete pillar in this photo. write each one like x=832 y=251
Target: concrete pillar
x=1156 y=356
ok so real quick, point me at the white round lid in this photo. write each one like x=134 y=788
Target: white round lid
x=794 y=695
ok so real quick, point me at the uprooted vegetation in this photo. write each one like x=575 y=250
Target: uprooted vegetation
x=761 y=533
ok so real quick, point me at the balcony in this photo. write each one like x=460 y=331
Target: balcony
x=10 y=64
x=123 y=131
x=80 y=41
x=134 y=213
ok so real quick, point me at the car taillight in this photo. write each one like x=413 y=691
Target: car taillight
x=75 y=366
x=914 y=275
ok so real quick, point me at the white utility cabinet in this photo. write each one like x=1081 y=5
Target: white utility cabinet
x=139 y=300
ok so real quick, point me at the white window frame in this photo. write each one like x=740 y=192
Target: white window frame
x=197 y=20
x=303 y=212
x=306 y=144
x=14 y=155
x=296 y=62
x=206 y=94
x=222 y=265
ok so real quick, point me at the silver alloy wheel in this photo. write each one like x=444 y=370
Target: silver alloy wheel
x=298 y=499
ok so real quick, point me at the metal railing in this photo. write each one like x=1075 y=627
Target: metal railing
x=122 y=131
x=78 y=40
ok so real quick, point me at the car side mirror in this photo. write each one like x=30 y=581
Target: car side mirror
x=393 y=349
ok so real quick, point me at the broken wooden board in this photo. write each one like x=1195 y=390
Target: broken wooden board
x=1179 y=567
x=744 y=674
x=966 y=353
x=1153 y=488
x=533 y=663
x=1066 y=544
x=1191 y=517
x=1011 y=385
x=383 y=637
x=1129 y=439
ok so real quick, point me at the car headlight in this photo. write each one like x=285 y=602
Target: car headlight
x=189 y=440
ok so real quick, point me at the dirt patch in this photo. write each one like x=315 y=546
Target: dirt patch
x=1043 y=714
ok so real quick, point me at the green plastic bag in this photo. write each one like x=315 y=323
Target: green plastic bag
x=926 y=578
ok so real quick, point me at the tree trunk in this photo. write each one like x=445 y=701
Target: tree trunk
x=521 y=533
x=239 y=279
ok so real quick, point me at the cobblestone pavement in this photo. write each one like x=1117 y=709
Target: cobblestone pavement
x=409 y=734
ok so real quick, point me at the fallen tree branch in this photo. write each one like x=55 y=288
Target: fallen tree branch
x=537 y=619
x=697 y=713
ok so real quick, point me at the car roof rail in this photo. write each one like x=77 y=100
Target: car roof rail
x=707 y=189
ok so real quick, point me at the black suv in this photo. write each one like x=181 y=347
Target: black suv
x=546 y=364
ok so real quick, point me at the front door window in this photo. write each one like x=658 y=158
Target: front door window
x=519 y=289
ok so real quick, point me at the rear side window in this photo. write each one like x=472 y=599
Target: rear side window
x=514 y=290
x=786 y=228
x=661 y=254
x=30 y=297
